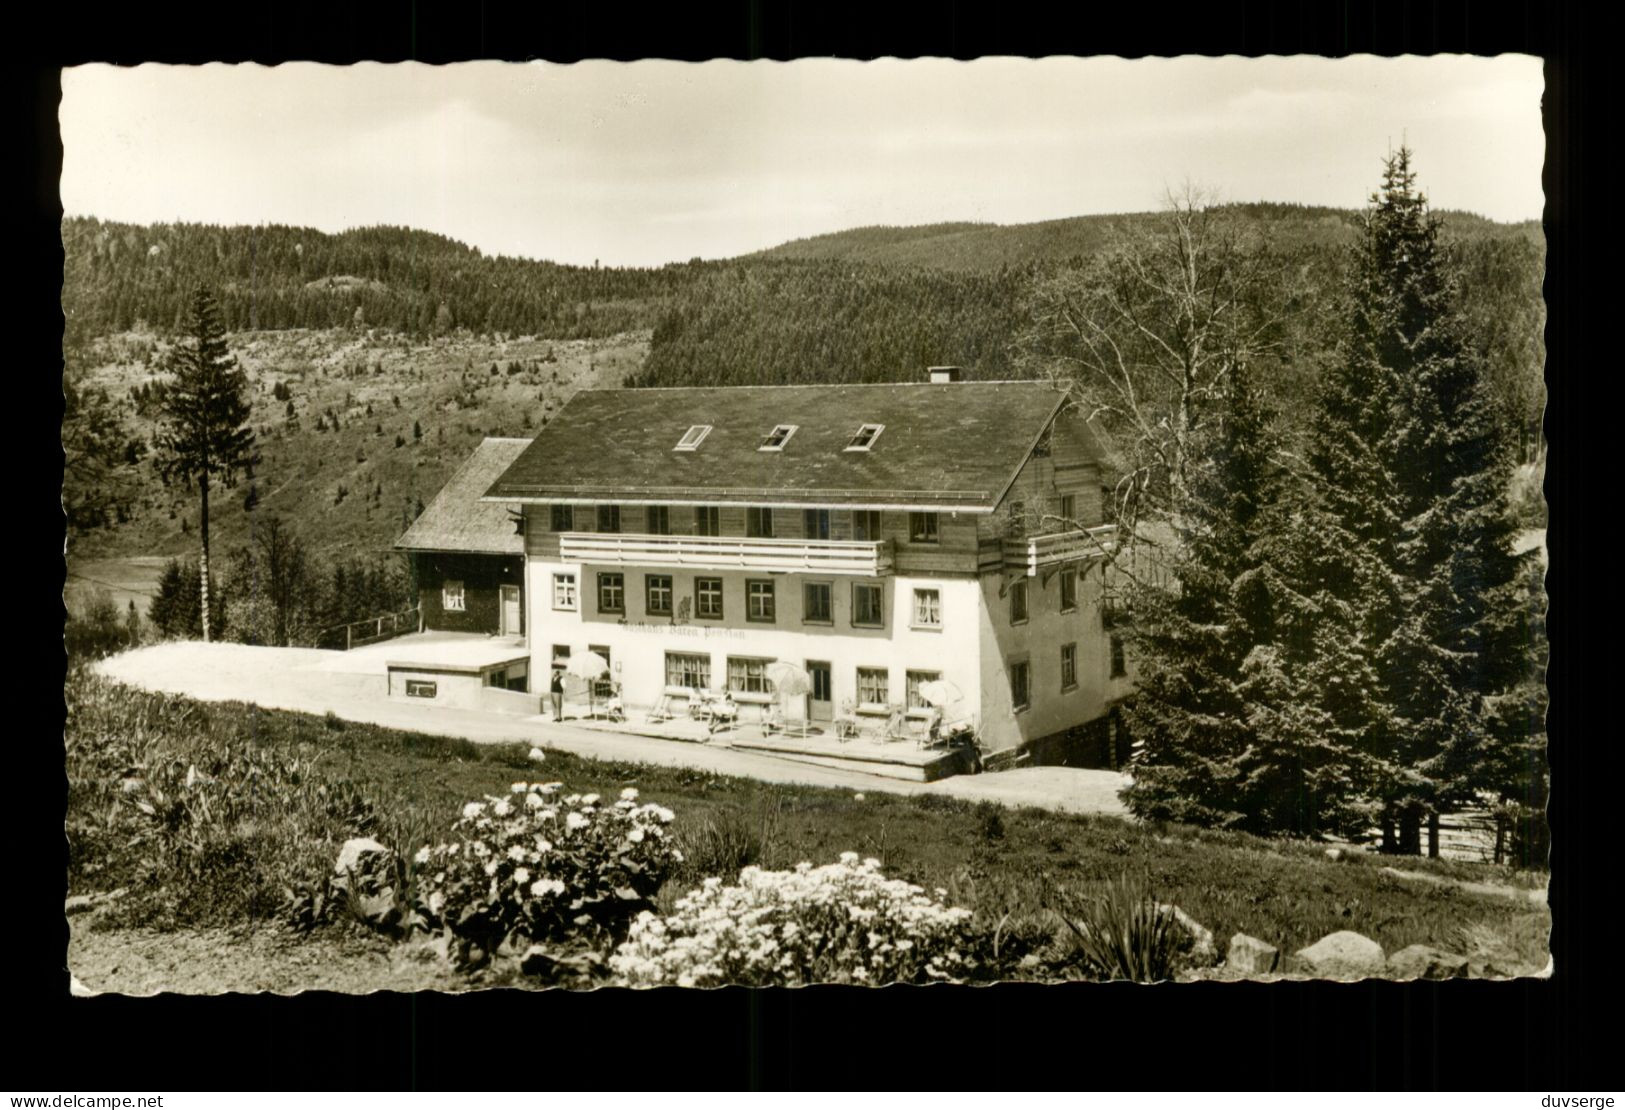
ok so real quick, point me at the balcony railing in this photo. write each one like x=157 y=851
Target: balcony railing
x=1033 y=552
x=868 y=558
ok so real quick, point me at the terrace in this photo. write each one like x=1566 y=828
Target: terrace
x=1035 y=552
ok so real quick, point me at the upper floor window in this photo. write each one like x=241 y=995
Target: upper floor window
x=1069 y=666
x=866 y=437
x=452 y=598
x=1119 y=657
x=778 y=437
x=865 y=524
x=564 y=518
x=927 y=609
x=815 y=602
x=868 y=604
x=1069 y=590
x=609 y=518
x=1018 y=601
x=657 y=520
x=612 y=592
x=564 y=591
x=708 y=597
x=759 y=599
x=1069 y=509
x=1017 y=519
x=707 y=520
x=657 y=594
x=759 y=523
x=922 y=527
x=816 y=523
x=1020 y=685
x=693 y=437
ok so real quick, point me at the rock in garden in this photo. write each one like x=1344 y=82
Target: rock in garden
x=1421 y=961
x=1342 y=955
x=1203 y=952
x=350 y=855
x=1334 y=854
x=1251 y=956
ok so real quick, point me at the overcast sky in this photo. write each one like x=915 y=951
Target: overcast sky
x=651 y=162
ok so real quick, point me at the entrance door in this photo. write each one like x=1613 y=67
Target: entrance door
x=512 y=619
x=820 y=702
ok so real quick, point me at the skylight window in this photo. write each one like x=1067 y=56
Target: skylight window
x=866 y=437
x=778 y=437
x=692 y=438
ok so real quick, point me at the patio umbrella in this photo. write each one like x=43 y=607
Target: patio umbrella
x=789 y=681
x=587 y=666
x=939 y=692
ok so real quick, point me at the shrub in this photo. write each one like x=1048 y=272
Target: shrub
x=533 y=867
x=841 y=923
x=1122 y=933
x=95 y=628
x=720 y=846
x=990 y=820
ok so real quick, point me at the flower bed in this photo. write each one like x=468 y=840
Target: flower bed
x=842 y=923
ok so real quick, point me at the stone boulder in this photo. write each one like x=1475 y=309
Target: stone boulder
x=1421 y=961
x=1342 y=955
x=1203 y=952
x=350 y=855
x=1249 y=956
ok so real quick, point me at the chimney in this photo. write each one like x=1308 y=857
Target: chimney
x=942 y=375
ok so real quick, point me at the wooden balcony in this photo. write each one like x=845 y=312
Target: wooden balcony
x=1079 y=545
x=865 y=558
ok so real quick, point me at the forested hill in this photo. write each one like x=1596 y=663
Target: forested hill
x=120 y=276
x=985 y=246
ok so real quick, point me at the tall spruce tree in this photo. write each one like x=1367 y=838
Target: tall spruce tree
x=1408 y=548
x=203 y=435
x=1219 y=741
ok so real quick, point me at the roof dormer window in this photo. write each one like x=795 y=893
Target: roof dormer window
x=778 y=437
x=866 y=437
x=693 y=437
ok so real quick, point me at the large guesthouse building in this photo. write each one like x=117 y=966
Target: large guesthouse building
x=879 y=537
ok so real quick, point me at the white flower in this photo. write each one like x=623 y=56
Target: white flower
x=541 y=888
x=574 y=820
x=537 y=755
x=590 y=800
x=437 y=902
x=630 y=794
x=521 y=875
x=857 y=797
x=543 y=844
x=635 y=836
x=422 y=856
x=534 y=801
x=849 y=858
x=473 y=809
x=491 y=868
x=516 y=853
x=502 y=808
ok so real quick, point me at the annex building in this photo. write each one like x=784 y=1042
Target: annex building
x=878 y=536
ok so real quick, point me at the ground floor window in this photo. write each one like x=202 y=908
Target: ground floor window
x=747 y=676
x=418 y=688
x=873 y=686
x=564 y=591
x=1069 y=666
x=815 y=603
x=759 y=599
x=451 y=596
x=657 y=591
x=690 y=671
x=1020 y=684
x=612 y=592
x=708 y=597
x=913 y=681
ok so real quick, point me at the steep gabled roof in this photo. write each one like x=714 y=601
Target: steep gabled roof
x=457 y=520
x=952 y=446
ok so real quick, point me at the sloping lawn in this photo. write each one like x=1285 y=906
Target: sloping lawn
x=406 y=788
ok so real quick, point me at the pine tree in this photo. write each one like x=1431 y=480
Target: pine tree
x=204 y=435
x=1409 y=544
